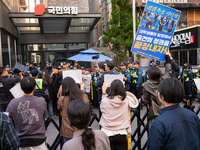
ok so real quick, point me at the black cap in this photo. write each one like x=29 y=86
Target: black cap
x=157 y=62
x=59 y=67
x=64 y=63
x=7 y=66
x=137 y=62
x=124 y=64
x=88 y=69
x=71 y=67
x=130 y=62
x=38 y=65
x=31 y=66
x=82 y=68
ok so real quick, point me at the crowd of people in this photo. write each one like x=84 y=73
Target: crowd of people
x=46 y=93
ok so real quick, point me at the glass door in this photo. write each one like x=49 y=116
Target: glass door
x=36 y=58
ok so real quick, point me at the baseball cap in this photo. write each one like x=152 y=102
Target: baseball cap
x=137 y=62
x=124 y=64
x=64 y=63
x=71 y=67
x=59 y=67
x=31 y=66
x=82 y=68
x=7 y=66
x=27 y=64
x=130 y=62
x=88 y=69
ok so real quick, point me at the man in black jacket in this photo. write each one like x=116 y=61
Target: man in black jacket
x=5 y=85
x=56 y=82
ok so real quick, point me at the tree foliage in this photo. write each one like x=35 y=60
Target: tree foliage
x=120 y=32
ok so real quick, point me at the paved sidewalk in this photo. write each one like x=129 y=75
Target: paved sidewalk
x=51 y=132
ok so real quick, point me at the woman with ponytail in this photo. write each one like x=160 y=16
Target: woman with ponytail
x=84 y=138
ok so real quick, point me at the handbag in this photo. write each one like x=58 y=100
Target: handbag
x=44 y=95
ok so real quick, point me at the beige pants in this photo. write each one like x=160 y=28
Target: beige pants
x=40 y=147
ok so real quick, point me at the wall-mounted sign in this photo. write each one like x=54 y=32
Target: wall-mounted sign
x=59 y=10
x=185 y=39
x=182 y=38
x=166 y=1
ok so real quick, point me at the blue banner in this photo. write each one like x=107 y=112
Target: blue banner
x=155 y=31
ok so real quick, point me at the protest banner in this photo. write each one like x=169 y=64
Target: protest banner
x=108 y=78
x=16 y=91
x=155 y=31
x=75 y=74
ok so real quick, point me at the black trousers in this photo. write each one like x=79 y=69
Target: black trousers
x=118 y=142
x=188 y=91
x=54 y=102
x=136 y=91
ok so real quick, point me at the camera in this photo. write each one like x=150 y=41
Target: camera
x=95 y=57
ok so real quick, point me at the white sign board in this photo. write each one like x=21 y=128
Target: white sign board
x=16 y=91
x=108 y=78
x=75 y=74
x=197 y=83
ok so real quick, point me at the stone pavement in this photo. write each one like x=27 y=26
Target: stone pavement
x=51 y=132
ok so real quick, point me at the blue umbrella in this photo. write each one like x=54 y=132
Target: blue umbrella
x=87 y=56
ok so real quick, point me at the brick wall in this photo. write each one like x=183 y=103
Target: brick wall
x=83 y=5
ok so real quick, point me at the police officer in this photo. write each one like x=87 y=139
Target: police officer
x=40 y=83
x=186 y=77
x=197 y=74
x=76 y=65
x=60 y=69
x=8 y=69
x=95 y=78
x=130 y=66
x=27 y=65
x=136 y=79
x=127 y=75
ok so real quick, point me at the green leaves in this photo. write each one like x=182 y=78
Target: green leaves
x=120 y=32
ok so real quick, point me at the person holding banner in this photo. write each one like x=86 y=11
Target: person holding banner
x=70 y=92
x=115 y=108
x=136 y=79
x=127 y=76
x=87 y=81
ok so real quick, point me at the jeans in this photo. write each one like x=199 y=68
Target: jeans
x=49 y=105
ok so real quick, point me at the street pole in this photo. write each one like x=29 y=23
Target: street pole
x=134 y=25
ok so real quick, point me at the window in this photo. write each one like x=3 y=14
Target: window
x=192 y=57
x=183 y=57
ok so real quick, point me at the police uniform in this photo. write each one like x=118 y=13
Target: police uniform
x=146 y=77
x=127 y=75
x=186 y=75
x=197 y=74
x=114 y=71
x=136 y=79
x=95 y=79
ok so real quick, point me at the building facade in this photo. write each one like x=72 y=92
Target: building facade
x=62 y=30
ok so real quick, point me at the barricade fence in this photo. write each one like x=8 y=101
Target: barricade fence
x=139 y=126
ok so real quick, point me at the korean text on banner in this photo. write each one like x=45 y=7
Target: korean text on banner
x=110 y=78
x=155 y=31
x=16 y=91
x=75 y=74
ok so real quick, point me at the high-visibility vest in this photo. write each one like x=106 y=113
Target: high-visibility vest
x=135 y=76
x=198 y=75
x=147 y=78
x=39 y=83
x=186 y=78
